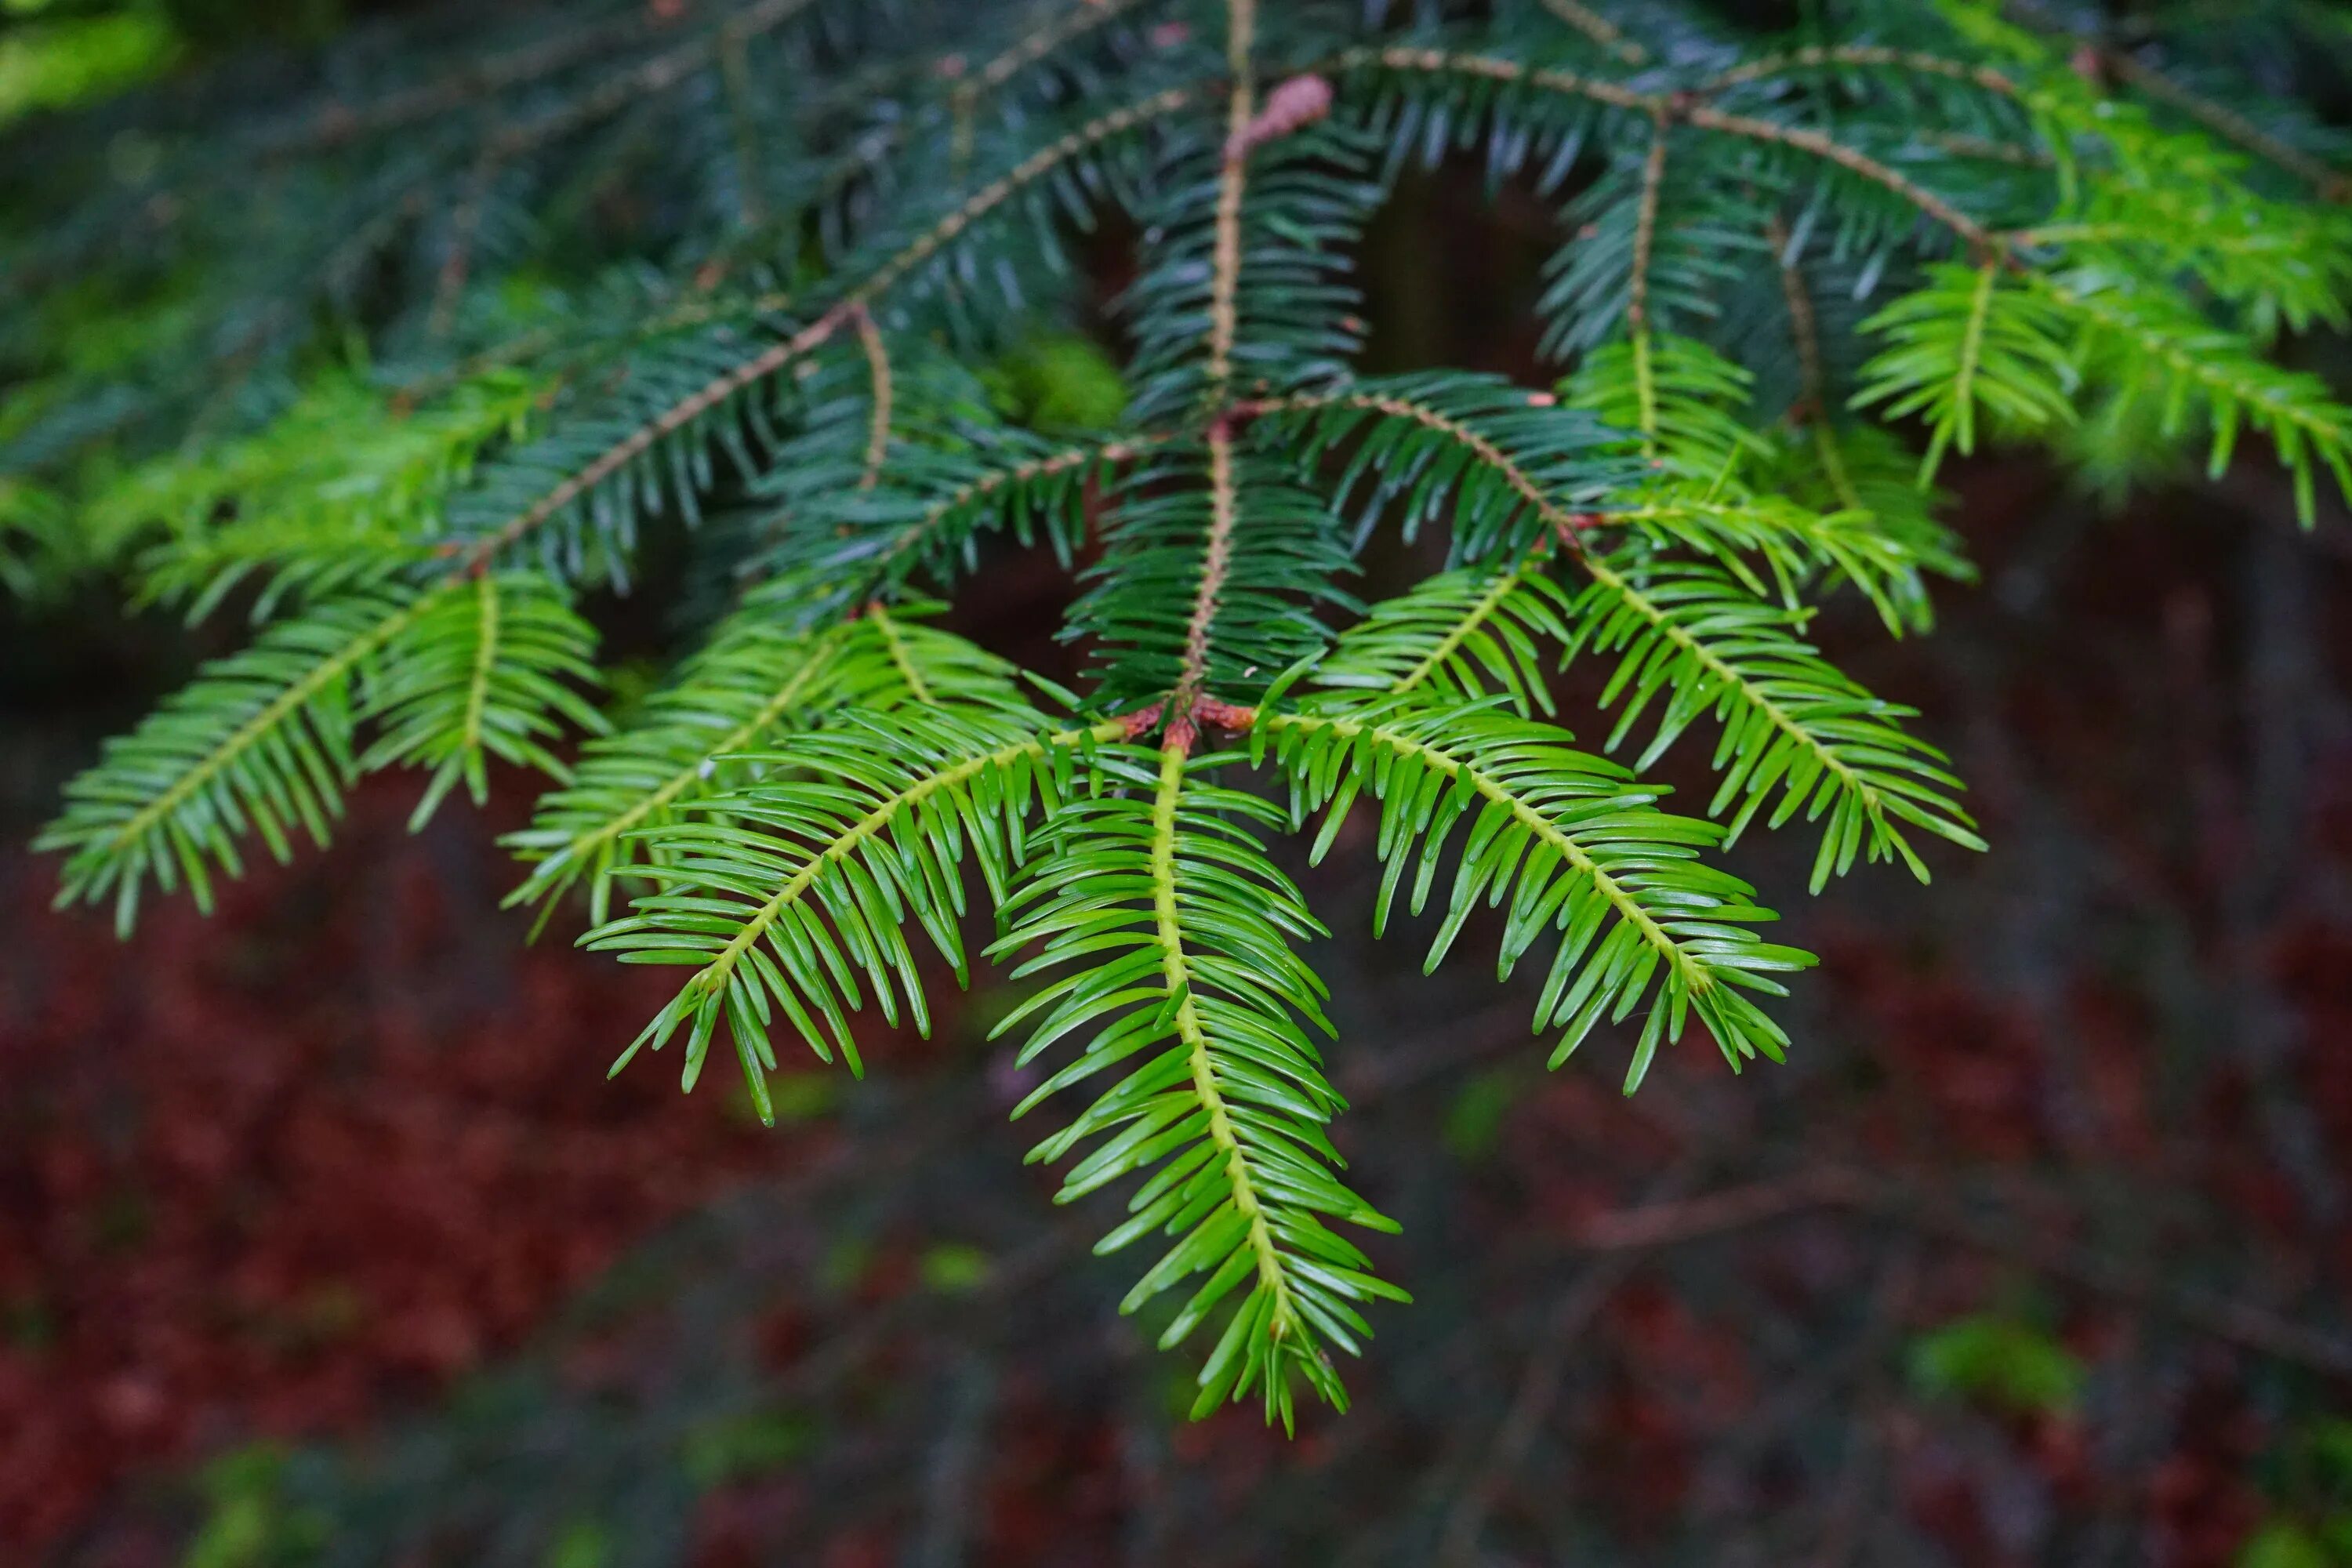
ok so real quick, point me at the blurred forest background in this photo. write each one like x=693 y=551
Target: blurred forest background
x=324 y=1239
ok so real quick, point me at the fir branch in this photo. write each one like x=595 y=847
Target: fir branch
x=1857 y=57
x=1180 y=932
x=878 y=280
x=1177 y=970
x=2332 y=184
x=1637 y=307
x=179 y=789
x=1574 y=844
x=877 y=366
x=1813 y=386
x=1493 y=69
x=1790 y=721
x=1456 y=634
x=1528 y=460
x=1232 y=180
x=780 y=912
x=923 y=532
x=1217 y=562
x=1681 y=110
x=646 y=78
x=1600 y=30
x=743 y=695
x=1819 y=145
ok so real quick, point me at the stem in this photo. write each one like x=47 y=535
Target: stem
x=1488 y=603
x=485 y=659
x=917 y=687
x=1232 y=178
x=1178 y=974
x=877 y=366
x=1637 y=307
x=1813 y=386
x=1216 y=561
x=1861 y=55
x=1600 y=30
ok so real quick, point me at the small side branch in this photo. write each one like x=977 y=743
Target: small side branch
x=1233 y=179
x=1490 y=68
x=1812 y=389
x=1216 y=561
x=1978 y=237
x=1637 y=307
x=1600 y=30
x=1861 y=57
x=877 y=366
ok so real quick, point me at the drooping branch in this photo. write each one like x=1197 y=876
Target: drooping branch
x=1859 y=56
x=887 y=275
x=1177 y=972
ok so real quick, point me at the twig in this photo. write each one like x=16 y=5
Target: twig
x=1600 y=30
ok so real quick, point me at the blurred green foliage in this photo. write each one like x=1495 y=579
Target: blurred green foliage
x=1473 y=1122
x=953 y=1268
x=53 y=58
x=1057 y=383
x=736 y=1447
x=2309 y=1480
x=2000 y=1361
x=248 y=1524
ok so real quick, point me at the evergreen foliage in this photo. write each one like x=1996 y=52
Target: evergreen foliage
x=404 y=363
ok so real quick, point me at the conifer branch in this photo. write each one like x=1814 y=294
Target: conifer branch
x=1176 y=970
x=1598 y=29
x=971 y=89
x=1637 y=309
x=1473 y=623
x=1858 y=56
x=1813 y=386
x=1489 y=67
x=1233 y=179
x=1216 y=561
x=895 y=558
x=793 y=311
x=1974 y=233
x=896 y=641
x=877 y=371
x=809 y=673
x=647 y=79
x=1701 y=115
x=268 y=720
x=1074 y=23
x=877 y=283
x=1438 y=423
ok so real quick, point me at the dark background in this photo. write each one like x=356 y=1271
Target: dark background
x=324 y=1239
